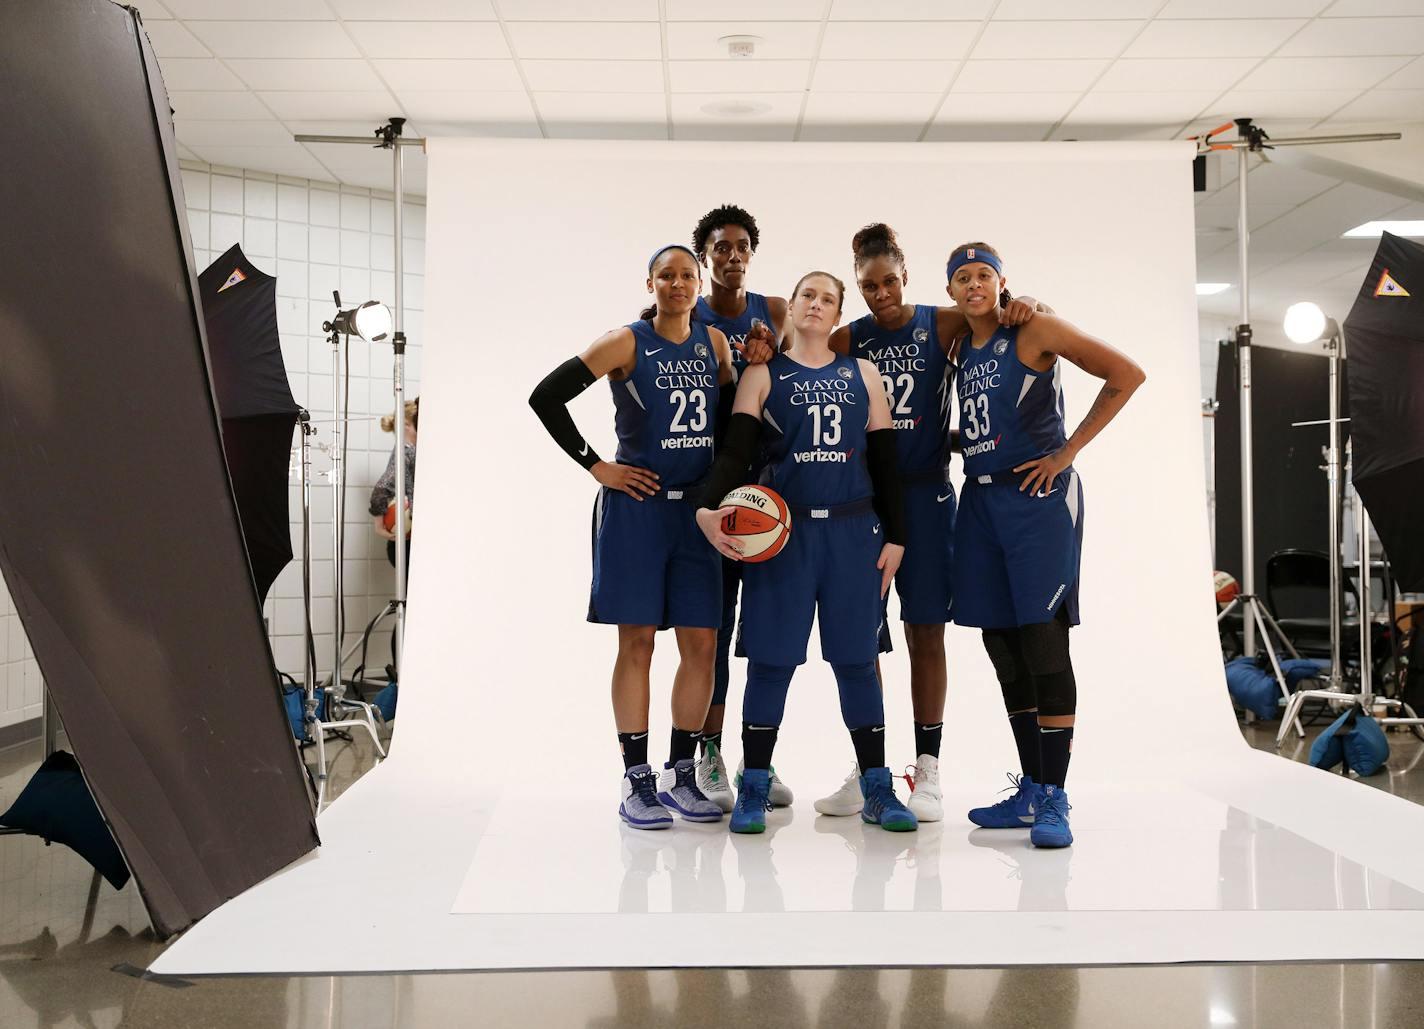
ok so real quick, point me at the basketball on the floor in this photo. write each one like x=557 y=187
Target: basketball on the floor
x=390 y=519
x=761 y=522
x=1227 y=588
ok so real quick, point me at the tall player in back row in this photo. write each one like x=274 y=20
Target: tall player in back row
x=726 y=239
x=831 y=456
x=651 y=566
x=909 y=345
x=1018 y=538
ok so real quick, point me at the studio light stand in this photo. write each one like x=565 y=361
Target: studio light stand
x=1252 y=138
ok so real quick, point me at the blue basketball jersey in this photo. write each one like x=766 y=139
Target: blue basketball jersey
x=817 y=419
x=1008 y=412
x=665 y=409
x=912 y=365
x=735 y=329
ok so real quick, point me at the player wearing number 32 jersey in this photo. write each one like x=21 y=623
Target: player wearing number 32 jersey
x=1018 y=539
x=651 y=565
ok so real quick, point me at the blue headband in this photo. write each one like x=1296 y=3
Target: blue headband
x=664 y=249
x=971 y=255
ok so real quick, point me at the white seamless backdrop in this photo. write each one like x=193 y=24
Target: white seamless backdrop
x=489 y=839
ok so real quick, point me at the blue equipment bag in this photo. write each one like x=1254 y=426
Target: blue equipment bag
x=1252 y=687
x=1355 y=739
x=385 y=701
x=294 y=699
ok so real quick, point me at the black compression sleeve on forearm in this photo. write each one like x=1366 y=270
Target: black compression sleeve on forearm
x=956 y=445
x=726 y=400
x=729 y=469
x=549 y=401
x=885 y=480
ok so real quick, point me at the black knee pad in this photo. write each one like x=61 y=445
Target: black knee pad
x=1045 y=647
x=1057 y=693
x=1015 y=680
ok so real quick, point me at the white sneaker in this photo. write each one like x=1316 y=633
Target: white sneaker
x=712 y=778
x=926 y=798
x=780 y=794
x=848 y=800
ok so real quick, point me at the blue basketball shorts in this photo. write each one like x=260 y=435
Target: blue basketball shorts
x=651 y=563
x=826 y=571
x=925 y=581
x=1017 y=555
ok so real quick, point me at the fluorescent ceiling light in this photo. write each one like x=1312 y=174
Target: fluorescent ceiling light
x=1373 y=229
x=1211 y=289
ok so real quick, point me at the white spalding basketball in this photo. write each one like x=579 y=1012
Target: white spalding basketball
x=761 y=522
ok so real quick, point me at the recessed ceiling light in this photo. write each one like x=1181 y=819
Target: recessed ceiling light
x=1373 y=229
x=736 y=108
x=1211 y=289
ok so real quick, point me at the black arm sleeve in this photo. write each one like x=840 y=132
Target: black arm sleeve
x=726 y=400
x=885 y=479
x=956 y=445
x=549 y=401
x=729 y=469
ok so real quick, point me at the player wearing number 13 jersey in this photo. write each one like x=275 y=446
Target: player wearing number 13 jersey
x=1018 y=540
x=651 y=565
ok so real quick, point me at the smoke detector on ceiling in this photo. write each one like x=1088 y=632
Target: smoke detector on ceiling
x=740 y=46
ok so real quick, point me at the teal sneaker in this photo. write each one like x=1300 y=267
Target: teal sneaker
x=753 y=801
x=1050 y=819
x=882 y=807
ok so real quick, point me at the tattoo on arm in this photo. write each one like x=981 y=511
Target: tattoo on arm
x=1104 y=408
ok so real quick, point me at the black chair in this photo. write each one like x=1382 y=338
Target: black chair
x=1298 y=595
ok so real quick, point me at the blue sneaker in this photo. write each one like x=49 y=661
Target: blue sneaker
x=1050 y=819
x=1015 y=812
x=641 y=808
x=882 y=807
x=753 y=801
x=677 y=789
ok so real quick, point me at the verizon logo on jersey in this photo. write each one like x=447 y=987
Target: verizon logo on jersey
x=823 y=456
x=982 y=448
x=686 y=442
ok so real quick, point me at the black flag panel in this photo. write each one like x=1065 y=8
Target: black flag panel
x=1384 y=341
x=254 y=402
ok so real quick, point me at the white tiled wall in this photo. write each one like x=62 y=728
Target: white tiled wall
x=315 y=237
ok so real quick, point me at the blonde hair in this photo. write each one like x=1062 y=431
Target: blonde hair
x=412 y=416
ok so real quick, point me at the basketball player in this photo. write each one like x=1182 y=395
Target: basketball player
x=726 y=239
x=1018 y=539
x=831 y=455
x=651 y=566
x=909 y=344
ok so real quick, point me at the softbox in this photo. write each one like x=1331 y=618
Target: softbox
x=255 y=404
x=1384 y=344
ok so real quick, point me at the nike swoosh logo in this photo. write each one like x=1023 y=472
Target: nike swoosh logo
x=876 y=530
x=640 y=736
x=650 y=353
x=1050 y=730
x=944 y=498
x=783 y=378
x=878 y=728
x=584 y=451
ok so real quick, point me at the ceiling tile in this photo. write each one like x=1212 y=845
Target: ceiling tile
x=878 y=116
x=606 y=108
x=1371 y=8
x=325 y=39
x=1172 y=74
x=414 y=10
x=1007 y=108
x=434 y=74
x=1243 y=8
x=1004 y=39
x=1045 y=10
x=232 y=133
x=1383 y=105
x=465 y=40
x=1241 y=38
x=864 y=40
x=1411 y=76
x=197 y=73
x=151 y=10
x=1321 y=72
x=1027 y=76
x=622 y=41
x=604 y=76
x=170 y=39
x=579 y=10
x=466 y=108
x=305 y=74
x=883 y=76
x=218 y=106
x=779 y=39
x=1338 y=36
x=746 y=10
x=372 y=104
x=250 y=10
x=988 y=132
x=1296 y=103
x=731 y=74
x=778 y=117
x=910 y=10
x=1166 y=109
x=291 y=159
